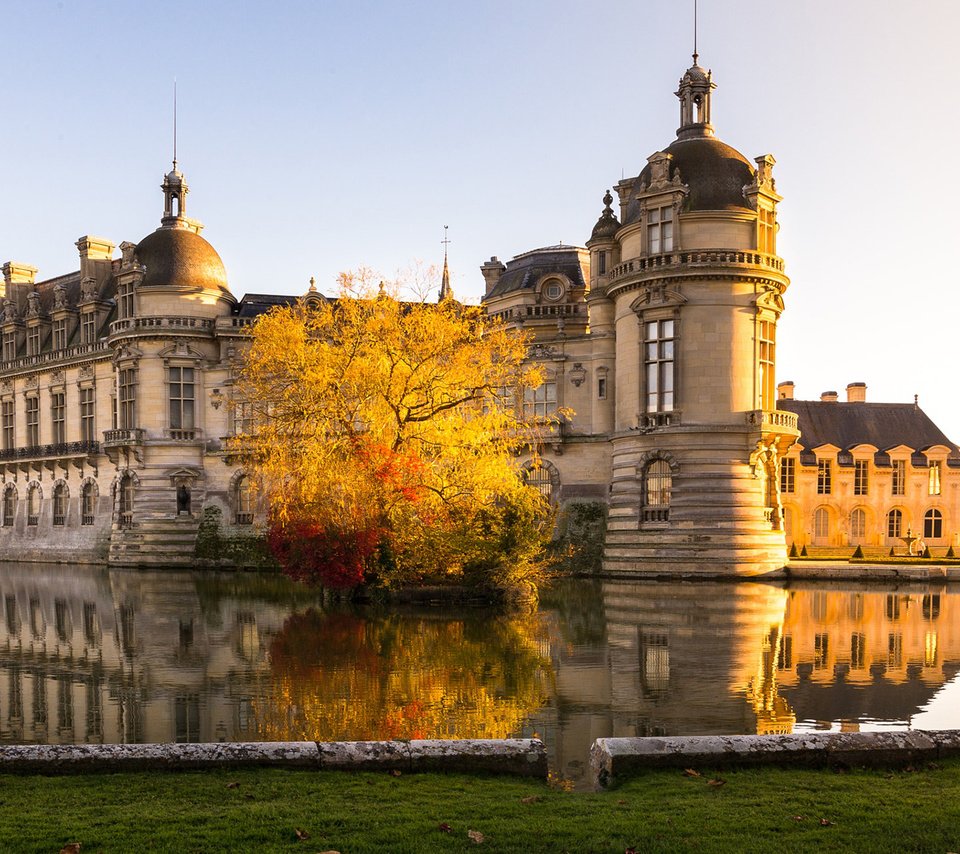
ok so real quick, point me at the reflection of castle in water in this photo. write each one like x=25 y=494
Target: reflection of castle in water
x=92 y=656
x=689 y=659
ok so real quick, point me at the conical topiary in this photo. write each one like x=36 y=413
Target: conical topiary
x=925 y=552
x=793 y=550
x=858 y=554
x=892 y=552
x=803 y=552
x=950 y=552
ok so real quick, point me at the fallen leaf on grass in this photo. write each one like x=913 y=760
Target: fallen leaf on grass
x=622 y=803
x=445 y=827
x=301 y=834
x=233 y=785
x=71 y=848
x=630 y=850
x=475 y=836
x=532 y=799
x=691 y=772
x=798 y=818
x=825 y=822
x=396 y=772
x=717 y=782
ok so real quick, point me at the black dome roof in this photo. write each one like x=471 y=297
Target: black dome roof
x=180 y=257
x=715 y=172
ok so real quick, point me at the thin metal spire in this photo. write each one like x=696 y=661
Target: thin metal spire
x=695 y=54
x=174 y=124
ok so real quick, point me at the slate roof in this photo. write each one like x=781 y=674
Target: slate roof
x=714 y=171
x=527 y=269
x=253 y=305
x=883 y=425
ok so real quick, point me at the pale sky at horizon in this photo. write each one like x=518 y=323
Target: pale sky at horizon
x=322 y=136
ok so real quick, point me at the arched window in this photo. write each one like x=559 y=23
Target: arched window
x=9 y=505
x=932 y=524
x=821 y=525
x=858 y=525
x=657 y=483
x=125 y=509
x=545 y=478
x=243 y=501
x=60 y=504
x=88 y=503
x=895 y=524
x=34 y=495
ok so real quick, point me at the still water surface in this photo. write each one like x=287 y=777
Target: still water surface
x=111 y=656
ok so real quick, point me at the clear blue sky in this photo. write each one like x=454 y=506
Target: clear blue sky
x=321 y=136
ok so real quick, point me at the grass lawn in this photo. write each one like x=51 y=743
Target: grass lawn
x=762 y=810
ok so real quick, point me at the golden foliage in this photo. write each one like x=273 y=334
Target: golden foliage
x=374 y=414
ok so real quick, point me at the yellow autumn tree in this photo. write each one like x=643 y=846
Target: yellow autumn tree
x=386 y=438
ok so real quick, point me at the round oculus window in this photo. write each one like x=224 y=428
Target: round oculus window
x=553 y=290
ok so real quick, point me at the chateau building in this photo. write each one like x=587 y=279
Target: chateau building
x=660 y=335
x=114 y=384
x=875 y=475
x=658 y=339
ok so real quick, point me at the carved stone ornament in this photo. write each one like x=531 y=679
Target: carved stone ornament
x=33 y=381
x=59 y=297
x=659 y=170
x=127 y=249
x=578 y=374
x=86 y=372
x=658 y=293
x=57 y=378
x=544 y=351
x=33 y=304
x=6 y=387
x=9 y=311
x=88 y=288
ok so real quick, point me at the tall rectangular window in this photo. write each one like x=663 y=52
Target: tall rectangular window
x=899 y=477
x=242 y=418
x=933 y=478
x=540 y=402
x=33 y=422
x=767 y=355
x=861 y=469
x=659 y=230
x=33 y=341
x=788 y=473
x=9 y=346
x=658 y=365
x=125 y=301
x=766 y=232
x=182 y=392
x=6 y=424
x=127 y=399
x=88 y=328
x=60 y=334
x=58 y=417
x=824 y=484
x=87 y=423
x=601 y=262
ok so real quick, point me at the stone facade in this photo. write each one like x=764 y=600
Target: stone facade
x=660 y=335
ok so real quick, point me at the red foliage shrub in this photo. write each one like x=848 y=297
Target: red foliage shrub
x=330 y=557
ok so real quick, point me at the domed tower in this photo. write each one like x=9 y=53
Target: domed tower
x=689 y=279
x=171 y=293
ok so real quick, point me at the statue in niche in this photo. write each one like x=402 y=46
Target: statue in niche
x=183 y=499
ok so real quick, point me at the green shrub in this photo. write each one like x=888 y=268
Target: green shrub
x=793 y=550
x=803 y=552
x=858 y=554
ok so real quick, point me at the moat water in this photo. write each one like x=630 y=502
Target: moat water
x=90 y=655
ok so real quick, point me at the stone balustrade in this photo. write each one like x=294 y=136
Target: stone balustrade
x=698 y=258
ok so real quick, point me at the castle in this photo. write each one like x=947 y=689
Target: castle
x=659 y=335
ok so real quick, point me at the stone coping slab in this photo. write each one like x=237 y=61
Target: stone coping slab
x=615 y=758
x=525 y=757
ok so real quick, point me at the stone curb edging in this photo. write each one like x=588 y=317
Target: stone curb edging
x=612 y=759
x=525 y=757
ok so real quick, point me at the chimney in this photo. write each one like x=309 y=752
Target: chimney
x=785 y=390
x=15 y=273
x=95 y=253
x=492 y=271
x=829 y=397
x=856 y=392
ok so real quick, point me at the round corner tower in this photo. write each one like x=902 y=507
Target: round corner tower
x=690 y=276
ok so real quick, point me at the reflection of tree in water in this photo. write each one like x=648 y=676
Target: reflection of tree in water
x=339 y=676
x=578 y=604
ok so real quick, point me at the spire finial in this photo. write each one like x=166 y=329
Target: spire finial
x=174 y=124
x=313 y=285
x=445 y=290
x=696 y=55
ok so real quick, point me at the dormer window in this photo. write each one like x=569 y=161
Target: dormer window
x=33 y=341
x=933 y=478
x=59 y=334
x=766 y=231
x=659 y=230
